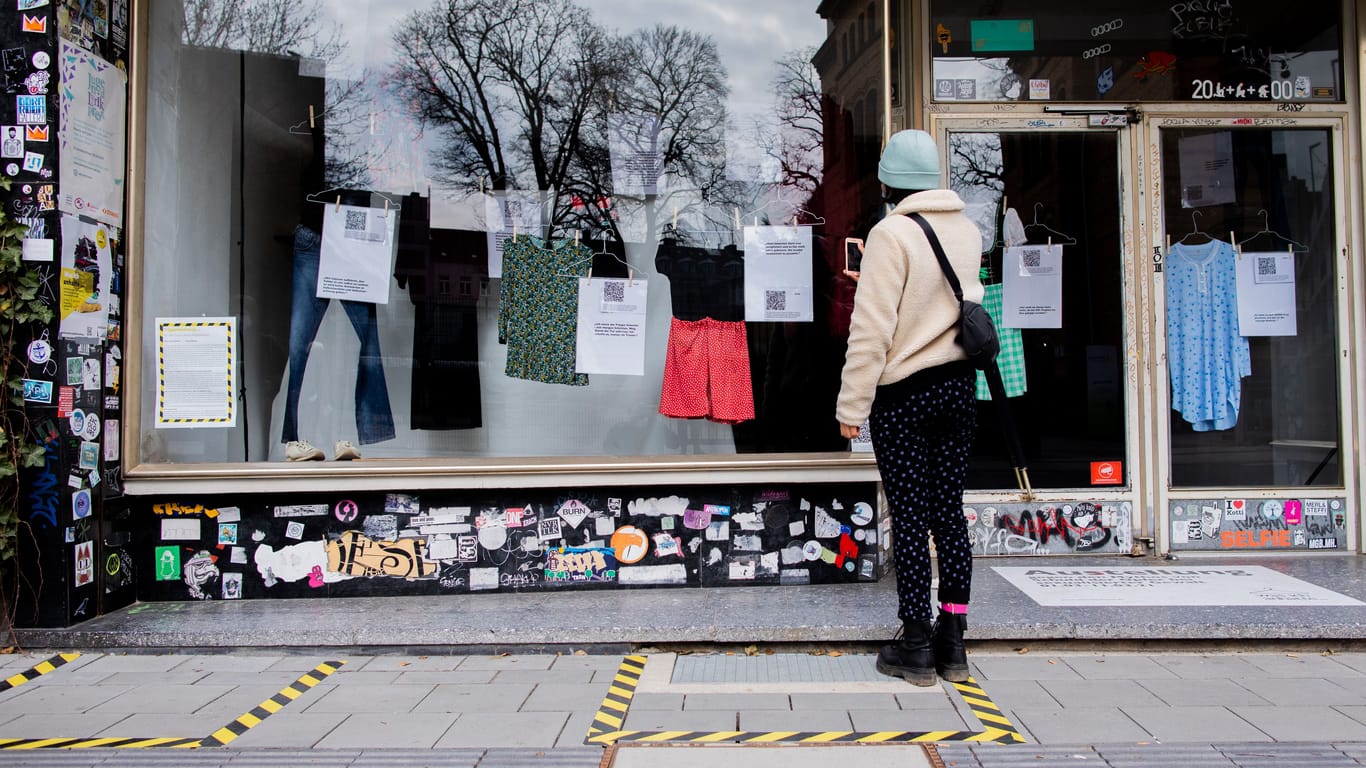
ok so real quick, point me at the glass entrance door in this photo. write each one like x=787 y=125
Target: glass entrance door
x=1250 y=300
x=1048 y=201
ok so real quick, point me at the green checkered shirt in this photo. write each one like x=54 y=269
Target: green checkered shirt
x=1011 y=358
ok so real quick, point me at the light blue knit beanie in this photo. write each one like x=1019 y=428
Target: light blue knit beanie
x=910 y=161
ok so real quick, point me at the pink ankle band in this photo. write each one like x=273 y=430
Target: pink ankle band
x=953 y=608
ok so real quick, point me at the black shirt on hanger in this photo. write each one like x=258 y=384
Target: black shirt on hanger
x=703 y=282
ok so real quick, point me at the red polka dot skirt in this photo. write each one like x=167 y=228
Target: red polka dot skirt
x=706 y=372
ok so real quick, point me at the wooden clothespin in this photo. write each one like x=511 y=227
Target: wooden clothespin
x=630 y=277
x=675 y=218
x=386 y=206
x=338 y=208
x=738 y=225
x=310 y=116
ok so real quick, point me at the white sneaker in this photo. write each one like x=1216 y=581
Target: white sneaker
x=345 y=450
x=302 y=450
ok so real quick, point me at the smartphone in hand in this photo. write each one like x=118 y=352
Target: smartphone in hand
x=853 y=253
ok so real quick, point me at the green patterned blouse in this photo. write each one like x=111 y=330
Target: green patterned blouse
x=538 y=308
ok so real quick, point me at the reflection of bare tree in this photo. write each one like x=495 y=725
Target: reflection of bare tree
x=291 y=29
x=509 y=82
x=520 y=90
x=261 y=26
x=352 y=150
x=975 y=163
x=675 y=76
x=800 y=143
x=977 y=174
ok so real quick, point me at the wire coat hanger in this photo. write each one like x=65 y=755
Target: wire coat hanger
x=1294 y=246
x=796 y=210
x=1195 y=230
x=326 y=196
x=1064 y=238
x=603 y=250
x=311 y=122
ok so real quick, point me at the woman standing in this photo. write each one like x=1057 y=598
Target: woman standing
x=905 y=372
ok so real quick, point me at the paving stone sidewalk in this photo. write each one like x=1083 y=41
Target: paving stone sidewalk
x=1226 y=709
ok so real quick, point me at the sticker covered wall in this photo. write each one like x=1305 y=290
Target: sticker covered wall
x=1052 y=528
x=440 y=542
x=1229 y=525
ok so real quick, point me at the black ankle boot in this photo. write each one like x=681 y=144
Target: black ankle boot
x=950 y=656
x=912 y=656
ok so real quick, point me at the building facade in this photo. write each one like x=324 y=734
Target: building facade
x=439 y=298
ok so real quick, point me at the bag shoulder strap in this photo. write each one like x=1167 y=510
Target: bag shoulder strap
x=939 y=254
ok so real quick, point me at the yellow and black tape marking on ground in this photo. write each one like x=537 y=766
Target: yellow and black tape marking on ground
x=220 y=737
x=988 y=713
x=79 y=743
x=108 y=742
x=38 y=670
x=612 y=713
x=270 y=706
x=606 y=727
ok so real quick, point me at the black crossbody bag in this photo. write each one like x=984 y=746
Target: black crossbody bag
x=976 y=332
x=977 y=337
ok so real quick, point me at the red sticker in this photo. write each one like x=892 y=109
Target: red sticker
x=1107 y=473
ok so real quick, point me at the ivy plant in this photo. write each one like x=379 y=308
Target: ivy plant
x=22 y=311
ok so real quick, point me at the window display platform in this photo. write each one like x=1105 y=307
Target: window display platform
x=817 y=614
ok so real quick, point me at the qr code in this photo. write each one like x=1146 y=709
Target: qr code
x=360 y=225
x=614 y=291
x=1266 y=265
x=775 y=301
x=1032 y=258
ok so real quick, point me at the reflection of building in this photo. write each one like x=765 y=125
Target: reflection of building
x=443 y=270
x=442 y=266
x=849 y=64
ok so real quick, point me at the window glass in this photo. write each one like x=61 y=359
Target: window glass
x=1132 y=50
x=1251 y=331
x=397 y=202
x=1059 y=313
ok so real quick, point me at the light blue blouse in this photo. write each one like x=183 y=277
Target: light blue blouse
x=1206 y=354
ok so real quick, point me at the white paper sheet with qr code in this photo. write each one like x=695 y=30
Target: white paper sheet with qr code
x=610 y=336
x=778 y=281
x=358 y=250
x=1266 y=293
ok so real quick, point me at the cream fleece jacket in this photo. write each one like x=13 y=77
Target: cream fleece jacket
x=905 y=315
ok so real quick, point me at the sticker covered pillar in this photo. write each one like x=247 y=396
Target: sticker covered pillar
x=63 y=139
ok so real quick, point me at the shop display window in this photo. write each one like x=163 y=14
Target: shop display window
x=1129 y=51
x=1047 y=204
x=1251 y=306
x=500 y=228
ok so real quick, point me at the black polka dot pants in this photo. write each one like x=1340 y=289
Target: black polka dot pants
x=922 y=431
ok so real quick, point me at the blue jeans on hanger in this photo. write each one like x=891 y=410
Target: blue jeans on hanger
x=374 y=421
